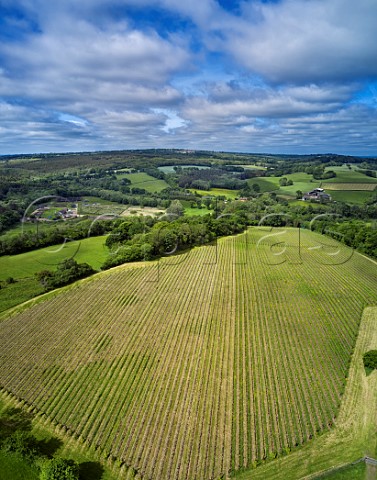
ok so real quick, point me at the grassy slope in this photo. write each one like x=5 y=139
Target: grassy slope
x=23 y=267
x=143 y=180
x=19 y=292
x=217 y=192
x=351 y=196
x=91 y=250
x=353 y=472
x=349 y=176
x=354 y=435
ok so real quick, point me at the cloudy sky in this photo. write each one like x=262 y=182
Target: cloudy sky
x=290 y=76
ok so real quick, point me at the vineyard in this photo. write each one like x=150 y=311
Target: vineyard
x=352 y=186
x=199 y=365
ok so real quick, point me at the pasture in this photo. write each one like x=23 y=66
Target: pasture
x=200 y=365
x=90 y=250
x=145 y=181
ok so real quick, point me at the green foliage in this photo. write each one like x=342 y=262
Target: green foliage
x=175 y=208
x=370 y=359
x=13 y=420
x=67 y=272
x=285 y=182
x=21 y=442
x=59 y=469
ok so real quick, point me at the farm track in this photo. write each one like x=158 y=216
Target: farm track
x=217 y=360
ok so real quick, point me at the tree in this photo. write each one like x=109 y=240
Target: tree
x=298 y=194
x=59 y=469
x=370 y=359
x=176 y=208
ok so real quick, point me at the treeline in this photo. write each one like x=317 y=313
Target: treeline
x=18 y=441
x=205 y=179
x=355 y=234
x=135 y=240
x=335 y=220
x=68 y=231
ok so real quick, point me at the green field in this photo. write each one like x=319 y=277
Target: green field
x=90 y=250
x=30 y=228
x=143 y=180
x=349 y=196
x=265 y=184
x=354 y=472
x=218 y=360
x=301 y=181
x=22 y=290
x=24 y=266
x=217 y=192
x=348 y=176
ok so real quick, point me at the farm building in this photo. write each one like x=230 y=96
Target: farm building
x=317 y=195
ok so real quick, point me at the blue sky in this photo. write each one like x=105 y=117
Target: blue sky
x=288 y=76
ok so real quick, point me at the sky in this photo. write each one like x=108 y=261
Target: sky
x=263 y=76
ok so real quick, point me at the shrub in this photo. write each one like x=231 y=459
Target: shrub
x=370 y=359
x=59 y=469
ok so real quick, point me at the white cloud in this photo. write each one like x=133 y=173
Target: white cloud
x=279 y=75
x=301 y=41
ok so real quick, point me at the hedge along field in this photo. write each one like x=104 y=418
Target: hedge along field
x=201 y=365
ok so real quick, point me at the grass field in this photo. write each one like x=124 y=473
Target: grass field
x=301 y=181
x=208 y=363
x=349 y=176
x=30 y=228
x=353 y=472
x=24 y=266
x=265 y=185
x=143 y=180
x=91 y=250
x=22 y=290
x=356 y=197
x=217 y=192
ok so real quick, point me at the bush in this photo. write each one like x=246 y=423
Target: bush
x=23 y=443
x=59 y=469
x=67 y=272
x=370 y=359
